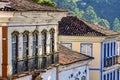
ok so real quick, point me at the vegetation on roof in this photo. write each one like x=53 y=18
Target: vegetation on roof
x=45 y=2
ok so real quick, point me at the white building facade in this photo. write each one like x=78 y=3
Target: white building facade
x=29 y=40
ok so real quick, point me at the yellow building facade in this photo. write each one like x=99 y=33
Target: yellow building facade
x=89 y=39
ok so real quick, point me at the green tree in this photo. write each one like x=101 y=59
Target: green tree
x=104 y=23
x=45 y=2
x=116 y=24
x=90 y=15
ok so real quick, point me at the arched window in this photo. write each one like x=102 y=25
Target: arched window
x=44 y=41
x=26 y=49
x=52 y=42
x=15 y=51
x=35 y=48
x=35 y=43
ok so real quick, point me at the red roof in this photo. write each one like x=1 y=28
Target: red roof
x=68 y=56
x=73 y=26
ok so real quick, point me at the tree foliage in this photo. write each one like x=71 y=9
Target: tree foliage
x=116 y=24
x=104 y=23
x=90 y=15
x=46 y=2
x=90 y=9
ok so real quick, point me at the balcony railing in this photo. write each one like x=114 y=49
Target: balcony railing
x=35 y=63
x=111 y=61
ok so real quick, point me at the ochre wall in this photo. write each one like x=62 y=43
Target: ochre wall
x=94 y=75
x=95 y=53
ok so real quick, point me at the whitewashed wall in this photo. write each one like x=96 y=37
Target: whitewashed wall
x=32 y=20
x=20 y=52
x=25 y=78
x=74 y=71
x=0 y=51
x=49 y=75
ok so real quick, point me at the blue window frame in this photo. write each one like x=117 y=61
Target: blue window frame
x=108 y=53
x=86 y=48
x=104 y=54
x=114 y=75
x=108 y=76
x=111 y=49
x=114 y=48
x=104 y=77
x=111 y=76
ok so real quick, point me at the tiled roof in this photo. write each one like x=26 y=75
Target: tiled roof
x=68 y=56
x=28 y=5
x=73 y=26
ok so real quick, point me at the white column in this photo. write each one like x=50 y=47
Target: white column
x=56 y=37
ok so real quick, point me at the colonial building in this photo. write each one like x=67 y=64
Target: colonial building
x=28 y=38
x=90 y=39
x=73 y=65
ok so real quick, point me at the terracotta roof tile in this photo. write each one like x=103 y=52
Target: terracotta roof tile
x=73 y=26
x=68 y=56
x=29 y=5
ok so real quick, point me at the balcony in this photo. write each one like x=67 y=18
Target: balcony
x=36 y=63
x=111 y=61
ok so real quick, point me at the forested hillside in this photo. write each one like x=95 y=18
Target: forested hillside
x=103 y=12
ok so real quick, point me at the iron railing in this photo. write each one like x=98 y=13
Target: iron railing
x=35 y=63
x=111 y=61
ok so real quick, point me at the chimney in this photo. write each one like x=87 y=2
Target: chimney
x=4 y=3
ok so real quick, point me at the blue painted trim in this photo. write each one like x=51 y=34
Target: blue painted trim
x=86 y=44
x=97 y=69
x=101 y=64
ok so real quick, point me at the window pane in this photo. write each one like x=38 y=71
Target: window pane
x=86 y=49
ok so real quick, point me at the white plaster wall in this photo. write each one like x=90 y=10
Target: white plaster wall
x=25 y=78
x=0 y=51
x=73 y=73
x=21 y=21
x=21 y=29
x=49 y=75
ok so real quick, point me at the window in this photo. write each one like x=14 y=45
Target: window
x=111 y=75
x=14 y=47
x=52 y=43
x=108 y=53
x=104 y=55
x=104 y=77
x=25 y=49
x=35 y=48
x=114 y=48
x=35 y=43
x=108 y=76
x=86 y=48
x=44 y=41
x=114 y=75
x=14 y=52
x=68 y=45
x=25 y=45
